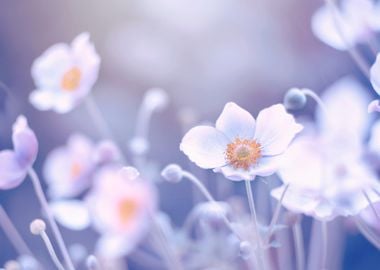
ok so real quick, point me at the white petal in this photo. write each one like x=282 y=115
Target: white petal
x=236 y=122
x=275 y=129
x=116 y=245
x=346 y=102
x=375 y=74
x=340 y=32
x=302 y=164
x=235 y=174
x=205 y=146
x=266 y=166
x=42 y=100
x=374 y=142
x=48 y=69
x=72 y=214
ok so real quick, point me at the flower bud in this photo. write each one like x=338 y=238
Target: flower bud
x=92 y=262
x=172 y=173
x=294 y=99
x=139 y=145
x=156 y=99
x=245 y=249
x=374 y=106
x=130 y=173
x=37 y=226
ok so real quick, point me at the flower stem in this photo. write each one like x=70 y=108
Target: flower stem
x=276 y=215
x=12 y=234
x=368 y=233
x=298 y=245
x=209 y=197
x=45 y=206
x=324 y=245
x=373 y=208
x=252 y=208
x=49 y=247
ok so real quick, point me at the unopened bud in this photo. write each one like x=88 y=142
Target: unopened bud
x=172 y=173
x=37 y=226
x=156 y=99
x=294 y=99
x=245 y=249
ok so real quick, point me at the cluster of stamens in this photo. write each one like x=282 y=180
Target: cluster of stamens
x=243 y=153
x=71 y=79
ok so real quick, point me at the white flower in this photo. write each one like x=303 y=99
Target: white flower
x=324 y=169
x=120 y=208
x=64 y=75
x=351 y=24
x=68 y=169
x=239 y=146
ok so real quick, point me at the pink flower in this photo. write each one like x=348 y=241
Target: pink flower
x=239 y=146
x=120 y=204
x=14 y=164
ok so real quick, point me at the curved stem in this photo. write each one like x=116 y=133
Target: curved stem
x=100 y=122
x=49 y=247
x=317 y=99
x=276 y=215
x=209 y=197
x=373 y=208
x=12 y=234
x=45 y=206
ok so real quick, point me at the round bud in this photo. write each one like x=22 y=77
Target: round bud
x=92 y=262
x=28 y=262
x=245 y=249
x=294 y=99
x=156 y=99
x=37 y=226
x=130 y=173
x=172 y=173
x=12 y=265
x=139 y=145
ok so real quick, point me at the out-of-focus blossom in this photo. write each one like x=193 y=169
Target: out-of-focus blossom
x=68 y=169
x=322 y=185
x=240 y=147
x=324 y=168
x=14 y=164
x=352 y=23
x=64 y=75
x=120 y=207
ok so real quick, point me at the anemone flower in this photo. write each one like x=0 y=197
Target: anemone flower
x=239 y=146
x=120 y=205
x=64 y=74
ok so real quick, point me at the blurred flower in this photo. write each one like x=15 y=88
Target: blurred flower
x=15 y=163
x=120 y=206
x=64 y=75
x=325 y=169
x=68 y=169
x=353 y=23
x=238 y=146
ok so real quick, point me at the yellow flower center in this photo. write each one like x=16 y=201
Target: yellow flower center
x=241 y=154
x=71 y=79
x=127 y=210
x=76 y=170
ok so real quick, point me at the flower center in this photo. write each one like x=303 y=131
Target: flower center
x=127 y=209
x=71 y=79
x=241 y=154
x=76 y=170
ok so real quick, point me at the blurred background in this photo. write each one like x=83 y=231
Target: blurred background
x=204 y=53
